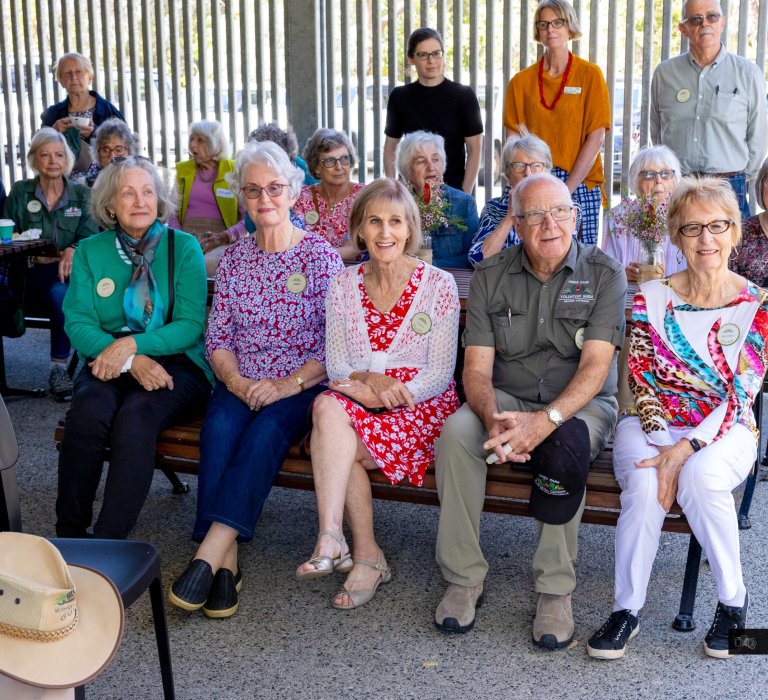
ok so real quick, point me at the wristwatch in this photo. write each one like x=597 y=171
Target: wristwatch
x=554 y=415
x=299 y=381
x=695 y=444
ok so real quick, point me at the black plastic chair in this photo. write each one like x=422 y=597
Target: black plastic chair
x=133 y=566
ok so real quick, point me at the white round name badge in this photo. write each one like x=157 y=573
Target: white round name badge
x=578 y=338
x=312 y=217
x=683 y=95
x=421 y=323
x=105 y=287
x=33 y=206
x=296 y=283
x=728 y=334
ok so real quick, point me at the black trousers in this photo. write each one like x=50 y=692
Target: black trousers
x=123 y=416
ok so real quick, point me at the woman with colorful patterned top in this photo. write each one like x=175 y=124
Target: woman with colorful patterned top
x=266 y=345
x=325 y=206
x=696 y=361
x=392 y=329
x=751 y=259
x=523 y=154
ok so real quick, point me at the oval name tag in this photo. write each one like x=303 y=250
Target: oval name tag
x=421 y=323
x=33 y=206
x=728 y=334
x=105 y=287
x=312 y=217
x=296 y=283
x=578 y=338
x=683 y=95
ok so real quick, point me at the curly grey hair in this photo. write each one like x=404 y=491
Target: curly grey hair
x=275 y=158
x=105 y=189
x=643 y=160
x=528 y=143
x=43 y=137
x=285 y=138
x=322 y=141
x=108 y=129
x=412 y=145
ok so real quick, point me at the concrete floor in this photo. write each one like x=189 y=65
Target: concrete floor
x=287 y=642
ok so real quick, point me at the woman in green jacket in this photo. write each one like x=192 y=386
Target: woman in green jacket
x=135 y=311
x=58 y=207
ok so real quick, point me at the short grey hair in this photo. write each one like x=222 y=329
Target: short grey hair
x=285 y=138
x=105 y=189
x=564 y=10
x=108 y=129
x=684 y=10
x=643 y=160
x=212 y=132
x=518 y=194
x=322 y=141
x=414 y=143
x=759 y=182
x=43 y=137
x=275 y=158
x=528 y=143
x=85 y=63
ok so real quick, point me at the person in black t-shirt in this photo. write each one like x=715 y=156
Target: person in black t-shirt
x=434 y=103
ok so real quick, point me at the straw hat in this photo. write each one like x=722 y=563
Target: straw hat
x=59 y=625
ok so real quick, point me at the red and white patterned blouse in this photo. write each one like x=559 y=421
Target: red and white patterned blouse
x=333 y=224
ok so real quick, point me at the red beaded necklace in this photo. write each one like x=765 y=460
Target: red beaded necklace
x=562 y=82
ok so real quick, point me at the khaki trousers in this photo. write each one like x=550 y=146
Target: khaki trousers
x=461 y=474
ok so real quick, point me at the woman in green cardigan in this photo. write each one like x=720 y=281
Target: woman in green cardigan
x=135 y=311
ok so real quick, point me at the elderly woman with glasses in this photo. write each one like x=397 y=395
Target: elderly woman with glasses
x=564 y=99
x=207 y=206
x=751 y=259
x=82 y=111
x=266 y=345
x=523 y=154
x=653 y=175
x=60 y=209
x=135 y=311
x=113 y=139
x=448 y=216
x=697 y=359
x=325 y=206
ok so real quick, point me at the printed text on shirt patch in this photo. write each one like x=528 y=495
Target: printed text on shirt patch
x=73 y=211
x=577 y=292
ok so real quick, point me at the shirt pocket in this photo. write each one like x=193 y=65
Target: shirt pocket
x=509 y=332
x=570 y=326
x=730 y=107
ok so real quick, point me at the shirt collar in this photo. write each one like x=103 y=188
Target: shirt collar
x=520 y=260
x=718 y=59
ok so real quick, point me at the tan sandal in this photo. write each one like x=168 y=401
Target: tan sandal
x=327 y=565
x=363 y=595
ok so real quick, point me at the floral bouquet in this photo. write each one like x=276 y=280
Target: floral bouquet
x=433 y=208
x=642 y=219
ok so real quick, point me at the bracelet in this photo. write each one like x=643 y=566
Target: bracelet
x=299 y=381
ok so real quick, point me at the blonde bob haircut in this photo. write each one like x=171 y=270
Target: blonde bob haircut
x=42 y=138
x=692 y=192
x=388 y=192
x=564 y=10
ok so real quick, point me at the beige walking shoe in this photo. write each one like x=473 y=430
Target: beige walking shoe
x=553 y=626
x=456 y=611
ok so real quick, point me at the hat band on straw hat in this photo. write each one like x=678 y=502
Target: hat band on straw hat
x=38 y=635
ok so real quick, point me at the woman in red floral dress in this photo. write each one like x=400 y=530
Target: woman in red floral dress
x=391 y=337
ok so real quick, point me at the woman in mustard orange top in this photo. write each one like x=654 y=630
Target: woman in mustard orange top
x=564 y=100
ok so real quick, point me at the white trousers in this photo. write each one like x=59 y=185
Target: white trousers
x=704 y=493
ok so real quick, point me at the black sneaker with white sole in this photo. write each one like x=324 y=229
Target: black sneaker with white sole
x=610 y=641
x=726 y=618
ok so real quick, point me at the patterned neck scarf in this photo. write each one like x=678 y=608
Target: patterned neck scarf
x=142 y=304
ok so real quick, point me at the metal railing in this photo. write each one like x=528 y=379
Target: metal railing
x=168 y=63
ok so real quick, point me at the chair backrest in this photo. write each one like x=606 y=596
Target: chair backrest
x=10 y=508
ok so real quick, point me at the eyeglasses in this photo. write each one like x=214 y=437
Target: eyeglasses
x=273 y=189
x=117 y=150
x=426 y=55
x=534 y=217
x=653 y=174
x=329 y=163
x=716 y=226
x=536 y=167
x=698 y=20
x=543 y=25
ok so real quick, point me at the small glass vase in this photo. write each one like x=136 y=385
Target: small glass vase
x=651 y=263
x=425 y=251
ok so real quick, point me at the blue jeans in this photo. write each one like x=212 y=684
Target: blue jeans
x=45 y=294
x=739 y=185
x=240 y=454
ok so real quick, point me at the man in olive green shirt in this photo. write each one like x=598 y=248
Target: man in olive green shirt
x=544 y=321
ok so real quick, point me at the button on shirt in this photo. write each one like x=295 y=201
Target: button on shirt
x=537 y=327
x=713 y=118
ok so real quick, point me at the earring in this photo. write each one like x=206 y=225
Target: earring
x=112 y=215
x=679 y=256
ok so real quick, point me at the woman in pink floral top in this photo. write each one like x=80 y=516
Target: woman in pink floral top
x=266 y=345
x=325 y=206
x=392 y=330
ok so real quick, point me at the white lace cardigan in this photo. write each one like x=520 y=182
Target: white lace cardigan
x=348 y=348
